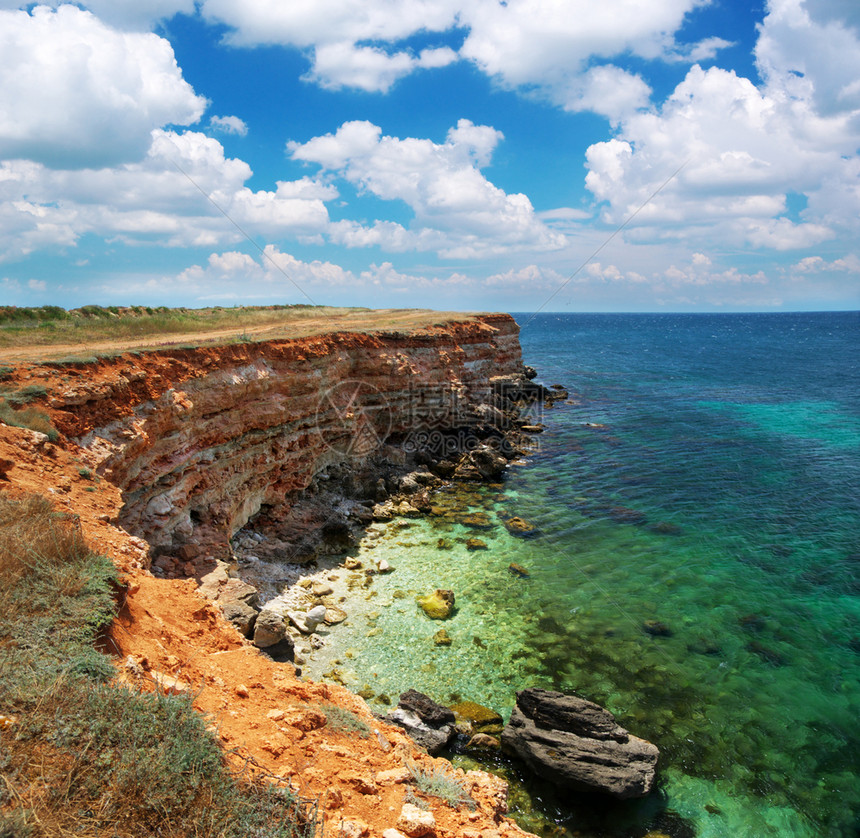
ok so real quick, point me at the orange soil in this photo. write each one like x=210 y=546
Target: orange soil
x=166 y=630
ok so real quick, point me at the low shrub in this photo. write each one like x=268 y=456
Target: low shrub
x=30 y=417
x=342 y=720
x=437 y=783
x=25 y=395
x=81 y=755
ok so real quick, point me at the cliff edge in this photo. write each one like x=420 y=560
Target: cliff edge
x=164 y=455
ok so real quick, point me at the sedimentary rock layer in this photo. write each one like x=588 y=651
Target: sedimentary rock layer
x=198 y=440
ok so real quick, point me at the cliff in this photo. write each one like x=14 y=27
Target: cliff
x=166 y=454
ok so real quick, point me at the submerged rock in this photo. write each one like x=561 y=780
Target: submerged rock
x=518 y=570
x=477 y=521
x=439 y=605
x=441 y=638
x=475 y=544
x=656 y=629
x=480 y=719
x=578 y=744
x=520 y=527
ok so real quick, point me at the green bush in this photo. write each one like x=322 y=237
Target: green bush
x=30 y=417
x=25 y=395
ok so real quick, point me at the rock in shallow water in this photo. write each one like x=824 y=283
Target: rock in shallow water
x=439 y=605
x=576 y=743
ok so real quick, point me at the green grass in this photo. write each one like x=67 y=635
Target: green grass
x=30 y=417
x=89 y=324
x=84 y=756
x=25 y=395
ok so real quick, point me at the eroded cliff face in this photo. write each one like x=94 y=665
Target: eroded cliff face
x=180 y=446
x=199 y=440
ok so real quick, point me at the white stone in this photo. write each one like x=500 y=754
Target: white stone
x=416 y=822
x=314 y=617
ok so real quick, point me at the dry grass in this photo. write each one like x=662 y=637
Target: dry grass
x=29 y=417
x=79 y=755
x=85 y=337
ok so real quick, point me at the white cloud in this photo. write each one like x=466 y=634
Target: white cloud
x=745 y=149
x=229 y=125
x=77 y=93
x=274 y=273
x=609 y=91
x=800 y=57
x=535 y=45
x=127 y=14
x=169 y=197
x=818 y=265
x=548 y=45
x=704 y=50
x=457 y=211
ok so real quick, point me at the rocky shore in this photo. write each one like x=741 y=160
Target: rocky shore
x=232 y=485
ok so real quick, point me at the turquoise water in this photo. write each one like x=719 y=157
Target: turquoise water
x=705 y=477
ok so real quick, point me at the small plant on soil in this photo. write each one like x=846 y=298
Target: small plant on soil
x=30 y=417
x=342 y=720
x=438 y=783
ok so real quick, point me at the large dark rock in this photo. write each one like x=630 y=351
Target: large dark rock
x=428 y=724
x=426 y=709
x=576 y=743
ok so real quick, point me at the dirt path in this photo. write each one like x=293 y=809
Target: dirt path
x=292 y=326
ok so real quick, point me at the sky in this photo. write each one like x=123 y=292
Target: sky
x=508 y=155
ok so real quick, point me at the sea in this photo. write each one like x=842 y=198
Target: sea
x=695 y=569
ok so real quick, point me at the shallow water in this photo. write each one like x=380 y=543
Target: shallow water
x=705 y=478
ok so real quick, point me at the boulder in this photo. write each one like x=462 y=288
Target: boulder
x=242 y=616
x=431 y=739
x=416 y=822
x=427 y=710
x=439 y=605
x=428 y=724
x=269 y=628
x=483 y=463
x=577 y=744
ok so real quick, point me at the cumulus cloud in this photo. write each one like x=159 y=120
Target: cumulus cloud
x=457 y=211
x=78 y=93
x=276 y=274
x=609 y=91
x=534 y=45
x=531 y=277
x=229 y=125
x=799 y=56
x=178 y=195
x=744 y=148
x=127 y=14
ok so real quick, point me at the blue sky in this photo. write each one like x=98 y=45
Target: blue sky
x=674 y=155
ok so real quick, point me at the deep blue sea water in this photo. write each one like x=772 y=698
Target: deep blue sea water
x=706 y=476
